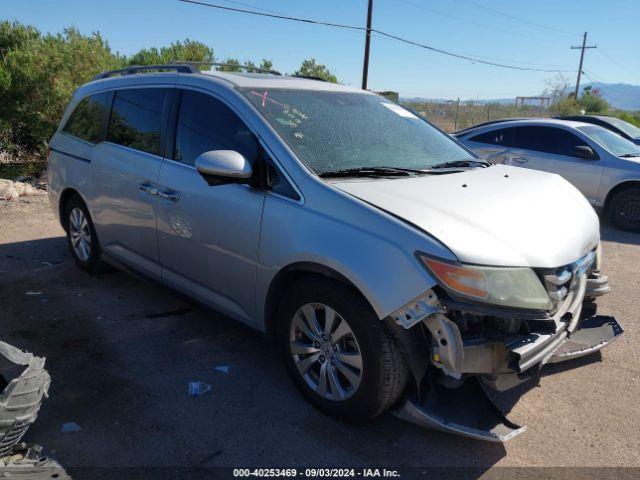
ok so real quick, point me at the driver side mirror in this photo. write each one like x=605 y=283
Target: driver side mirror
x=585 y=152
x=219 y=167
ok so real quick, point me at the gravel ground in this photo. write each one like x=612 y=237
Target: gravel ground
x=121 y=351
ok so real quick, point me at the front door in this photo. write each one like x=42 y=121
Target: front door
x=125 y=169
x=208 y=236
x=528 y=148
x=552 y=149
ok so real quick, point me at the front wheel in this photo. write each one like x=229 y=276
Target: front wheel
x=338 y=353
x=624 y=209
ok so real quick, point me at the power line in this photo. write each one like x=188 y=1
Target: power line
x=613 y=60
x=601 y=81
x=273 y=15
x=373 y=30
x=253 y=6
x=492 y=28
x=466 y=57
x=523 y=20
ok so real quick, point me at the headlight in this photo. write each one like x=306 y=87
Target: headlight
x=509 y=287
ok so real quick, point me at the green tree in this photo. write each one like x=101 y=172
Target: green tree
x=187 y=51
x=565 y=106
x=592 y=102
x=633 y=118
x=38 y=74
x=310 y=68
x=264 y=65
x=230 y=65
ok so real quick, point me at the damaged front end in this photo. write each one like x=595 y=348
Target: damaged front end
x=476 y=349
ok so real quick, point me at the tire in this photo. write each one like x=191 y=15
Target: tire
x=80 y=231
x=624 y=209
x=383 y=373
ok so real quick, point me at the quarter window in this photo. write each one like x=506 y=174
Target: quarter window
x=86 y=121
x=205 y=123
x=502 y=137
x=136 y=119
x=277 y=183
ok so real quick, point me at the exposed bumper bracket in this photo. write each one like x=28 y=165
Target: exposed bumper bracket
x=597 y=285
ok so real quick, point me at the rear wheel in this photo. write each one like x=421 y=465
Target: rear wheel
x=82 y=237
x=338 y=353
x=624 y=209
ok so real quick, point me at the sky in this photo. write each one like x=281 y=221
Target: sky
x=534 y=33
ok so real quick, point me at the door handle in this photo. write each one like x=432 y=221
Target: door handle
x=148 y=188
x=168 y=195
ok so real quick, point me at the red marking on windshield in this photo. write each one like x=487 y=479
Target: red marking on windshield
x=264 y=98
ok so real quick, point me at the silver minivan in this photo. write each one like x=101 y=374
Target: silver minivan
x=393 y=268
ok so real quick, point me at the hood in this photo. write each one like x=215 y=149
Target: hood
x=500 y=215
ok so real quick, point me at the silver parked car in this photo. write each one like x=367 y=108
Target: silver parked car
x=604 y=166
x=394 y=269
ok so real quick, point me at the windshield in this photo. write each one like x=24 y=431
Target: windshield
x=611 y=141
x=626 y=127
x=334 y=131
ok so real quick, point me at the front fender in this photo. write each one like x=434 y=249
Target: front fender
x=370 y=248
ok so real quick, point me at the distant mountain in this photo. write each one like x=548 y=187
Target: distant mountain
x=620 y=95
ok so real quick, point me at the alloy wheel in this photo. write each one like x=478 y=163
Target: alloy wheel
x=80 y=234
x=325 y=351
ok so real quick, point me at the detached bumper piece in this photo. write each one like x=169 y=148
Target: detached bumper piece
x=465 y=411
x=31 y=463
x=20 y=401
x=595 y=333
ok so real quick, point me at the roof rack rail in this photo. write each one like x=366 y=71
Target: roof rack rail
x=491 y=122
x=310 y=77
x=180 y=68
x=230 y=65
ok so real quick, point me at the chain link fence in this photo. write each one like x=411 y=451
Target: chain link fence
x=458 y=115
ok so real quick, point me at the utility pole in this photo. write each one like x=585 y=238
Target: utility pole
x=367 y=44
x=582 y=48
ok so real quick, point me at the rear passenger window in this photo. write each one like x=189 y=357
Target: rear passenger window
x=86 y=121
x=205 y=123
x=552 y=140
x=502 y=137
x=136 y=119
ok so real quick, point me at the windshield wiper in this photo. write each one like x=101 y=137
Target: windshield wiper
x=370 y=172
x=401 y=171
x=629 y=155
x=463 y=164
